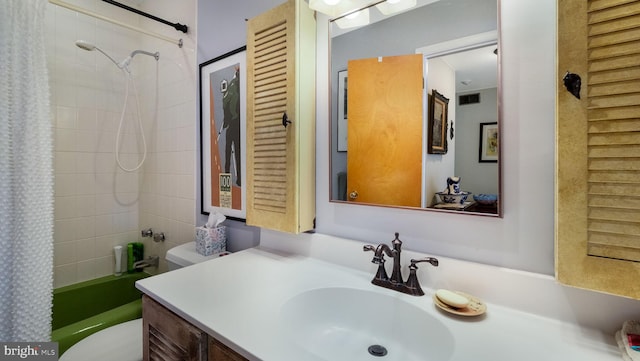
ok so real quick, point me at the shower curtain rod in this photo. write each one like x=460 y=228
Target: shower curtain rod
x=116 y=22
x=177 y=26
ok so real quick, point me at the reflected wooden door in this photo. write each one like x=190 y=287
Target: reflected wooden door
x=384 y=144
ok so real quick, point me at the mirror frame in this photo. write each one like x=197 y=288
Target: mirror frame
x=433 y=51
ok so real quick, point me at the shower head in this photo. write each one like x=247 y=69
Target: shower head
x=90 y=47
x=85 y=45
x=124 y=64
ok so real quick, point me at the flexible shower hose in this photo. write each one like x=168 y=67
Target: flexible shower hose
x=124 y=108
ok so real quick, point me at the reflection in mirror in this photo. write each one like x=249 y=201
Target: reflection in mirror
x=458 y=43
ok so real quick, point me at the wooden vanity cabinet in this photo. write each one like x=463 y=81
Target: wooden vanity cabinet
x=220 y=352
x=281 y=60
x=168 y=337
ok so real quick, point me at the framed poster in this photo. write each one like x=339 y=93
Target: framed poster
x=223 y=129
x=437 y=132
x=488 y=150
x=342 y=111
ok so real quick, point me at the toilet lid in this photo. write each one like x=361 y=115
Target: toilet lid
x=185 y=255
x=122 y=342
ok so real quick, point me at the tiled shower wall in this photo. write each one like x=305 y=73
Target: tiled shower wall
x=168 y=184
x=97 y=205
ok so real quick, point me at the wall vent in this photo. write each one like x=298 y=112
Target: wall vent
x=469 y=99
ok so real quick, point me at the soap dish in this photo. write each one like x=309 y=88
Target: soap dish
x=475 y=308
x=628 y=327
x=622 y=345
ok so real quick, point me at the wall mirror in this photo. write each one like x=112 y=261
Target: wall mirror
x=457 y=41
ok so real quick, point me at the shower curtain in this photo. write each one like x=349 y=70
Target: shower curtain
x=26 y=175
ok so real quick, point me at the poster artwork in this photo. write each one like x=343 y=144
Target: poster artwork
x=226 y=180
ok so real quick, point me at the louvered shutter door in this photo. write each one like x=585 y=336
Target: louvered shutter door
x=273 y=150
x=613 y=116
x=598 y=146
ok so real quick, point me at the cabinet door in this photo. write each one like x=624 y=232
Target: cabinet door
x=598 y=146
x=220 y=352
x=167 y=337
x=281 y=83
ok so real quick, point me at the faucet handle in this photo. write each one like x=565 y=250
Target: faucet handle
x=376 y=259
x=412 y=282
x=381 y=275
x=432 y=260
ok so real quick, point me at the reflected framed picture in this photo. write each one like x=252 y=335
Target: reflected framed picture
x=437 y=128
x=342 y=111
x=223 y=129
x=488 y=150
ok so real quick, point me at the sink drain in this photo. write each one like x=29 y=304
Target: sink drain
x=377 y=350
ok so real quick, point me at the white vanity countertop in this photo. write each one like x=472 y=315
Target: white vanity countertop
x=237 y=299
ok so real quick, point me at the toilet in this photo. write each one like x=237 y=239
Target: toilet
x=186 y=255
x=123 y=342
x=120 y=342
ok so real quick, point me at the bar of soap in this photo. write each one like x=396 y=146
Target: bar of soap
x=452 y=299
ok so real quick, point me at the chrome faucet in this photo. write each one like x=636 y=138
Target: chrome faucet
x=396 y=282
x=151 y=261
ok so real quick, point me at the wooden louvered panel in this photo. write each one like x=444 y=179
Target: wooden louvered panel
x=619 y=177
x=167 y=337
x=615 y=164
x=615 y=252
x=604 y=40
x=163 y=348
x=613 y=202
x=618 y=25
x=614 y=100
x=628 y=48
x=615 y=151
x=281 y=161
x=270 y=40
x=610 y=10
x=616 y=88
x=630 y=229
x=614 y=139
x=606 y=214
x=622 y=125
x=623 y=62
x=614 y=113
x=613 y=142
x=594 y=5
x=614 y=75
x=615 y=189
x=270 y=101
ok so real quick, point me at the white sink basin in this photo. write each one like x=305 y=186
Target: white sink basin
x=342 y=323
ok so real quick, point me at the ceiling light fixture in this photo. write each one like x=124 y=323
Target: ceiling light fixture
x=358 y=18
x=337 y=8
x=393 y=6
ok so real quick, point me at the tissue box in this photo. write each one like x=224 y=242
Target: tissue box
x=211 y=240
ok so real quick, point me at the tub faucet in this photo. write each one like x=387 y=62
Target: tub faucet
x=151 y=261
x=396 y=282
